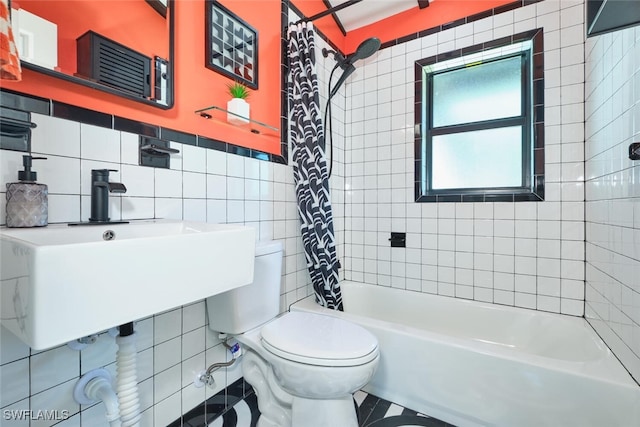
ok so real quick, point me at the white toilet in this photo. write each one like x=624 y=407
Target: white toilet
x=304 y=367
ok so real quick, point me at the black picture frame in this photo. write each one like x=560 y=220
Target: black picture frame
x=231 y=45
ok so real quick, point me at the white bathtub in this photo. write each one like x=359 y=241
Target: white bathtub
x=472 y=364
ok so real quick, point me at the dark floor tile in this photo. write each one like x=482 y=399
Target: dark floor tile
x=381 y=408
x=366 y=407
x=252 y=401
x=248 y=390
x=194 y=418
x=215 y=406
x=407 y=411
x=176 y=423
x=230 y=419
x=407 y=420
x=371 y=413
x=199 y=421
x=235 y=393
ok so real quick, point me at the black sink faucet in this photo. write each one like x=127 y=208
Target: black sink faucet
x=100 y=189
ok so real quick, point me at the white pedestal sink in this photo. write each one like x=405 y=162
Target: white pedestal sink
x=60 y=283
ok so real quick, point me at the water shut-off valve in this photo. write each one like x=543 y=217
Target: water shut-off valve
x=206 y=377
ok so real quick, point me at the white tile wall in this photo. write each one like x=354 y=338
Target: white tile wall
x=518 y=254
x=525 y=254
x=202 y=185
x=612 y=110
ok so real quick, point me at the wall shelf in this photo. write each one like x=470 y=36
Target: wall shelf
x=204 y=112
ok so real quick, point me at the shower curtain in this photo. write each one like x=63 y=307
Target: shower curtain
x=306 y=133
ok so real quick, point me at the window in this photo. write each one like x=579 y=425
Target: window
x=479 y=124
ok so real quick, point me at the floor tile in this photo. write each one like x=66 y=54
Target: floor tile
x=237 y=406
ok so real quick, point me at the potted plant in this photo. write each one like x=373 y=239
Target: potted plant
x=237 y=107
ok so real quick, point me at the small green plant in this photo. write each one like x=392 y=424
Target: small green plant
x=238 y=90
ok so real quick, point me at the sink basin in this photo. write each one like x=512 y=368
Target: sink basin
x=61 y=283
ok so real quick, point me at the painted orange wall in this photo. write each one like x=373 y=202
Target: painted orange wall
x=198 y=87
x=195 y=85
x=414 y=20
x=409 y=22
x=327 y=25
x=149 y=39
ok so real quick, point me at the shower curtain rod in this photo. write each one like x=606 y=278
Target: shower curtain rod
x=329 y=11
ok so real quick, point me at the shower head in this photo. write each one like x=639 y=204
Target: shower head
x=364 y=50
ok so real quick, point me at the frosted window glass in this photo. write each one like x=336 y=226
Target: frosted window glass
x=478 y=159
x=482 y=92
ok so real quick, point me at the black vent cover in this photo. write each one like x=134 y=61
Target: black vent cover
x=113 y=64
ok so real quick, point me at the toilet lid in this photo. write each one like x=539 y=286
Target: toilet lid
x=319 y=340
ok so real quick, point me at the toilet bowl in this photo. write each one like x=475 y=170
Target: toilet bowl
x=304 y=367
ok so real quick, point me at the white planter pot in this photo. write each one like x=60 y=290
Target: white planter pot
x=239 y=107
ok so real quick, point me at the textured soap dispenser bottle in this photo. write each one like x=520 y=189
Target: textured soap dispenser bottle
x=27 y=201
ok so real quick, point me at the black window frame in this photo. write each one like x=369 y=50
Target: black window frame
x=531 y=119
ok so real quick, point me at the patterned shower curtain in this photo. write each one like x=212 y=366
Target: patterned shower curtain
x=311 y=178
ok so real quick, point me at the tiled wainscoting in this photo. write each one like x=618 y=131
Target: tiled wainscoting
x=202 y=185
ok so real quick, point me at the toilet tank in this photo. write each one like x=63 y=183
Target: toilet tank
x=242 y=309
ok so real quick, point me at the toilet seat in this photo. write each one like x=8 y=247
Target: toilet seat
x=319 y=340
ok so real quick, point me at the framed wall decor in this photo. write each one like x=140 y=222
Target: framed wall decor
x=231 y=46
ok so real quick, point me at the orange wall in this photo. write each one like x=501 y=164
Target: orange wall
x=414 y=20
x=119 y=22
x=409 y=22
x=195 y=85
x=327 y=25
x=198 y=87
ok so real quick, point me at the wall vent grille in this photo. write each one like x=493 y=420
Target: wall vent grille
x=110 y=63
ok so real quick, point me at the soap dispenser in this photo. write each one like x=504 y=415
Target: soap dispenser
x=27 y=201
